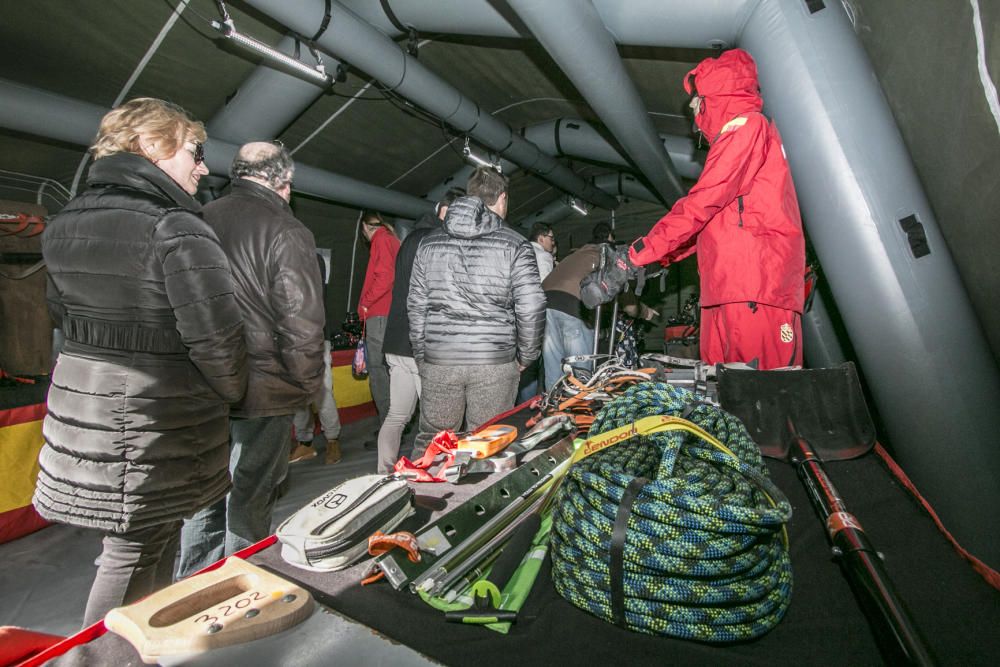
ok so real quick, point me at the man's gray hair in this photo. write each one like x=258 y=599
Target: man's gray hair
x=266 y=161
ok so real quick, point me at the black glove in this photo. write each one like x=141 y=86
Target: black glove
x=601 y=286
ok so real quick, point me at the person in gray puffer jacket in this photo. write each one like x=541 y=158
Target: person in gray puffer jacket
x=137 y=430
x=477 y=311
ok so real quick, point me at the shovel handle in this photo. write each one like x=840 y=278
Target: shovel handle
x=895 y=632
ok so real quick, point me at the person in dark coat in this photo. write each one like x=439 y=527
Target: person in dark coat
x=279 y=291
x=137 y=430
x=477 y=311
x=404 y=378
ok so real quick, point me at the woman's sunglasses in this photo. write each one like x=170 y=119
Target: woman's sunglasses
x=198 y=153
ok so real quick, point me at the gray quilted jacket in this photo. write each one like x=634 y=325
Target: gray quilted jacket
x=475 y=295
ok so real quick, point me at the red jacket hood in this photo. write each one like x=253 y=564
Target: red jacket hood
x=728 y=87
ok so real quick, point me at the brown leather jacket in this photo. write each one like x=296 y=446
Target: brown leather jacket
x=562 y=286
x=279 y=290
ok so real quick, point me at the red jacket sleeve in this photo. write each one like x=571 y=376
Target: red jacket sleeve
x=734 y=158
x=381 y=270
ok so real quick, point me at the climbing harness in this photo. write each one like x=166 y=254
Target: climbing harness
x=675 y=532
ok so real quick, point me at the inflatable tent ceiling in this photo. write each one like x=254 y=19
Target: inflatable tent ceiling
x=880 y=129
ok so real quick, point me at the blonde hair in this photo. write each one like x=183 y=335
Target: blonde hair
x=162 y=125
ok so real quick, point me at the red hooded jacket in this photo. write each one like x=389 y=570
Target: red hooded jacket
x=742 y=216
x=376 y=294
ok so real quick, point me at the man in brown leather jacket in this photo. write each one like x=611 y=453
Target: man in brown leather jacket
x=569 y=330
x=277 y=286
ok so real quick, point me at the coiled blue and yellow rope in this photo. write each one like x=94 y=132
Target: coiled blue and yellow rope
x=704 y=555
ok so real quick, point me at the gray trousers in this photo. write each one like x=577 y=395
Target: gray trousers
x=132 y=566
x=326 y=407
x=378 y=371
x=404 y=392
x=449 y=393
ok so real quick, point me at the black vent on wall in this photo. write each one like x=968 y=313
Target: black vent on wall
x=915 y=236
x=815 y=5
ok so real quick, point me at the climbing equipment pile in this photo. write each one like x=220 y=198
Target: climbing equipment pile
x=678 y=532
x=581 y=395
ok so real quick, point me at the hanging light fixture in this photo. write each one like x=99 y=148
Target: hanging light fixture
x=575 y=204
x=228 y=30
x=477 y=160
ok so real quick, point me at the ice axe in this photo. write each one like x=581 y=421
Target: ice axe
x=807 y=417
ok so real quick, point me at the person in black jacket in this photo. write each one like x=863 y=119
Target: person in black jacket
x=404 y=378
x=477 y=311
x=278 y=289
x=137 y=430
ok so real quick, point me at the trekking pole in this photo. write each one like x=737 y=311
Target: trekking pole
x=895 y=633
x=614 y=330
x=597 y=311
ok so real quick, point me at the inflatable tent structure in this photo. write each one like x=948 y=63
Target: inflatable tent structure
x=581 y=100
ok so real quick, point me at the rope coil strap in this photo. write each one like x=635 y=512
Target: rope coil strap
x=678 y=531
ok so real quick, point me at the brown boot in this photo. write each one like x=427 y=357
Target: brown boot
x=302 y=452
x=332 y=451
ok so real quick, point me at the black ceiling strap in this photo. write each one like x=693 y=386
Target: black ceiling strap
x=510 y=140
x=408 y=30
x=326 y=21
x=617 y=565
x=559 y=150
x=393 y=19
x=476 y=124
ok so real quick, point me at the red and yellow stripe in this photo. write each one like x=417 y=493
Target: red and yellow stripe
x=353 y=397
x=20 y=440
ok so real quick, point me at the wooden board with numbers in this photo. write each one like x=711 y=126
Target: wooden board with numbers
x=236 y=603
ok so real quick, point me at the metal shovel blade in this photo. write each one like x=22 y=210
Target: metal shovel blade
x=826 y=405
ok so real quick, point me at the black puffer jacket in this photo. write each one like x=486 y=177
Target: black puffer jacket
x=279 y=290
x=397 y=327
x=475 y=296
x=137 y=431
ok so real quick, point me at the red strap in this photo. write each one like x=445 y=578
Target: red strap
x=991 y=576
x=4 y=375
x=417 y=471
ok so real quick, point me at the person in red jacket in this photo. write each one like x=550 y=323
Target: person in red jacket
x=373 y=306
x=742 y=218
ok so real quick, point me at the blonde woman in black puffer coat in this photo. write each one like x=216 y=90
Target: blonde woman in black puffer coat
x=137 y=431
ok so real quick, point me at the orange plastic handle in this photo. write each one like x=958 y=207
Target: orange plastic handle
x=488 y=441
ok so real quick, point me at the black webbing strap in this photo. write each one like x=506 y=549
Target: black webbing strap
x=739 y=201
x=327 y=13
x=617 y=570
x=393 y=19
